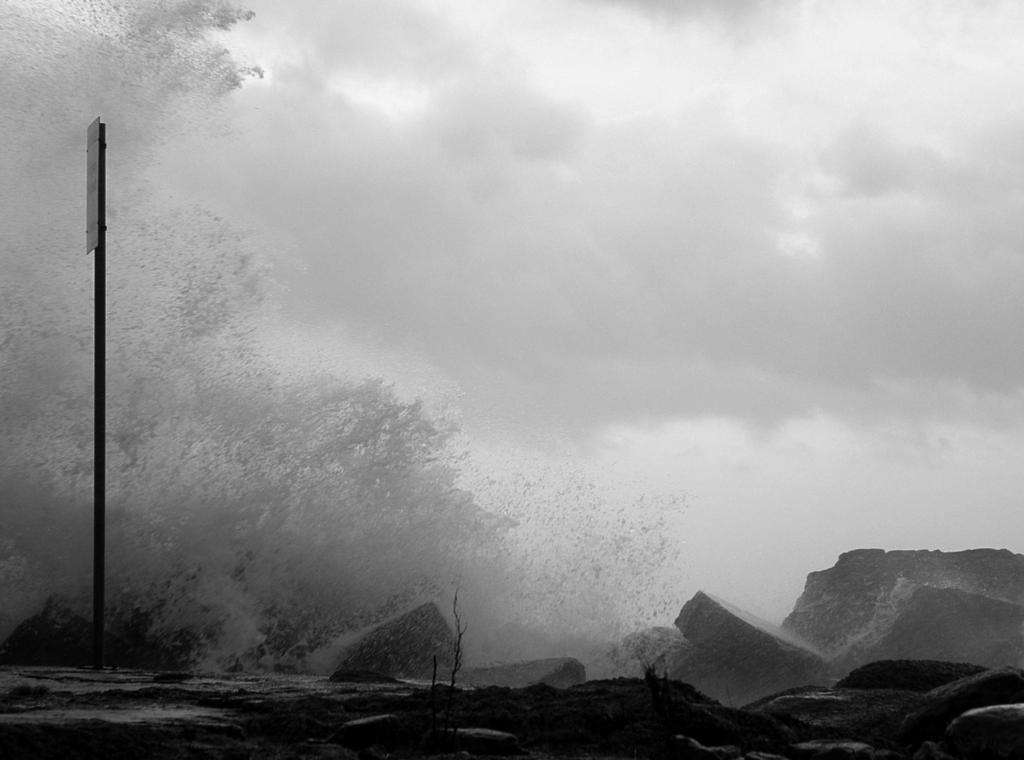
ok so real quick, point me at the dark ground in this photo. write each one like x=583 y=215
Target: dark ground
x=69 y=713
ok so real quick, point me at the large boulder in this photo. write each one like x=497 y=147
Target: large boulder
x=365 y=732
x=989 y=732
x=737 y=658
x=405 y=646
x=560 y=672
x=848 y=611
x=942 y=705
x=61 y=635
x=486 y=741
x=470 y=742
x=870 y=715
x=907 y=675
x=57 y=635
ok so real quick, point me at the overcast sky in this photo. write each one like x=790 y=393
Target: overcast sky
x=766 y=255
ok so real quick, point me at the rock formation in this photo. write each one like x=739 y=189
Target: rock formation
x=404 y=647
x=943 y=704
x=956 y=626
x=847 y=610
x=907 y=675
x=996 y=731
x=60 y=635
x=958 y=607
x=737 y=658
x=55 y=636
x=874 y=604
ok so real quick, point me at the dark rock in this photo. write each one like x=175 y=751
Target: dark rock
x=486 y=741
x=366 y=732
x=472 y=741
x=911 y=675
x=989 y=732
x=735 y=657
x=942 y=705
x=832 y=750
x=872 y=716
x=848 y=609
x=954 y=625
x=718 y=725
x=805 y=701
x=687 y=748
x=57 y=636
x=404 y=647
x=131 y=642
x=560 y=672
x=932 y=751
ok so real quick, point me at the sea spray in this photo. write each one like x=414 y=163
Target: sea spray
x=260 y=508
x=62 y=65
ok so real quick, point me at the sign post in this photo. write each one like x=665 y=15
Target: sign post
x=95 y=241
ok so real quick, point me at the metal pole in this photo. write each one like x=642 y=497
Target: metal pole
x=98 y=184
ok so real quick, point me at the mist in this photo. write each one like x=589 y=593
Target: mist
x=576 y=307
x=270 y=487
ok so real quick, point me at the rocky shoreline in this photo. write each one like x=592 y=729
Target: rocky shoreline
x=911 y=655
x=880 y=712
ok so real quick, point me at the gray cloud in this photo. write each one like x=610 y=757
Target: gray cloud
x=609 y=272
x=378 y=35
x=477 y=120
x=730 y=11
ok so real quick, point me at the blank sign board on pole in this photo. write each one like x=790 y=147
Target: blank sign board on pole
x=94 y=203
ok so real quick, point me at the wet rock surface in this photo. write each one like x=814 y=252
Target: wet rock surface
x=964 y=609
x=404 y=647
x=954 y=625
x=874 y=716
x=485 y=741
x=851 y=611
x=989 y=732
x=53 y=713
x=382 y=730
x=942 y=705
x=736 y=658
x=60 y=635
x=911 y=675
